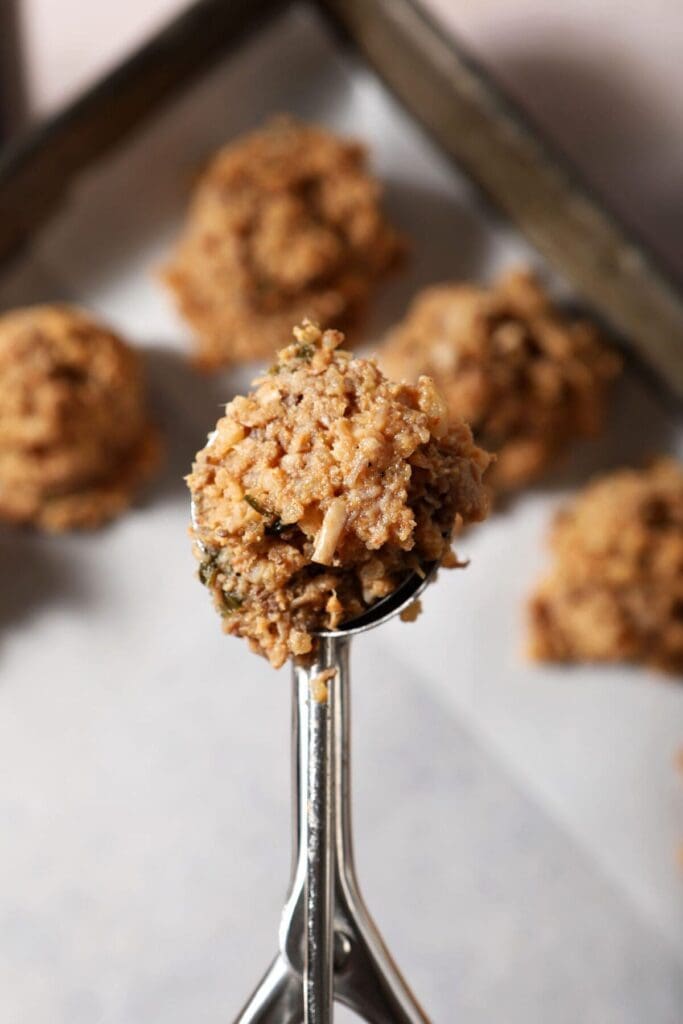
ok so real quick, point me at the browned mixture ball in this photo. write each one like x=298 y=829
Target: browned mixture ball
x=524 y=377
x=322 y=489
x=615 y=591
x=74 y=438
x=285 y=224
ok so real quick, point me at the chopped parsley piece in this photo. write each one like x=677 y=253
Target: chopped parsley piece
x=208 y=571
x=230 y=603
x=274 y=524
x=256 y=505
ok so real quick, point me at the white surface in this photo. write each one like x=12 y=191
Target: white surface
x=517 y=827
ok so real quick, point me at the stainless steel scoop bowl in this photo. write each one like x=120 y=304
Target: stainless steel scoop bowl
x=329 y=946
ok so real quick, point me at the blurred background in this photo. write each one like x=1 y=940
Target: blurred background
x=604 y=79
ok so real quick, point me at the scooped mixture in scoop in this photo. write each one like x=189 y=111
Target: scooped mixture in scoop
x=285 y=223
x=322 y=490
x=615 y=591
x=75 y=440
x=526 y=378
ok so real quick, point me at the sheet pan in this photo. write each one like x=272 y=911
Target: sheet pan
x=517 y=826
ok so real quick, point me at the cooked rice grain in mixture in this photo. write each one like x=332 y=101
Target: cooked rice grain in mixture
x=75 y=441
x=527 y=379
x=615 y=591
x=285 y=223
x=322 y=489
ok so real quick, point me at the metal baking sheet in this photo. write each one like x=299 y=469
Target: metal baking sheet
x=517 y=826
x=455 y=100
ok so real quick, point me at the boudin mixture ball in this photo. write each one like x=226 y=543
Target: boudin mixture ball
x=615 y=590
x=74 y=436
x=285 y=223
x=526 y=378
x=322 y=490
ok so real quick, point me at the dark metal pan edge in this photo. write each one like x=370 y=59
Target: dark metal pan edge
x=476 y=124
x=36 y=170
x=453 y=99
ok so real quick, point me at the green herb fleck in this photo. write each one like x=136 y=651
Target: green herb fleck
x=304 y=352
x=274 y=525
x=230 y=603
x=207 y=572
x=256 y=505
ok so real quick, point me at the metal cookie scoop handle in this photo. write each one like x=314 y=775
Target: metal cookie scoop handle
x=329 y=946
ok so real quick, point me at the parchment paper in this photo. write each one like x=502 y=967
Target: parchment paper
x=517 y=826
